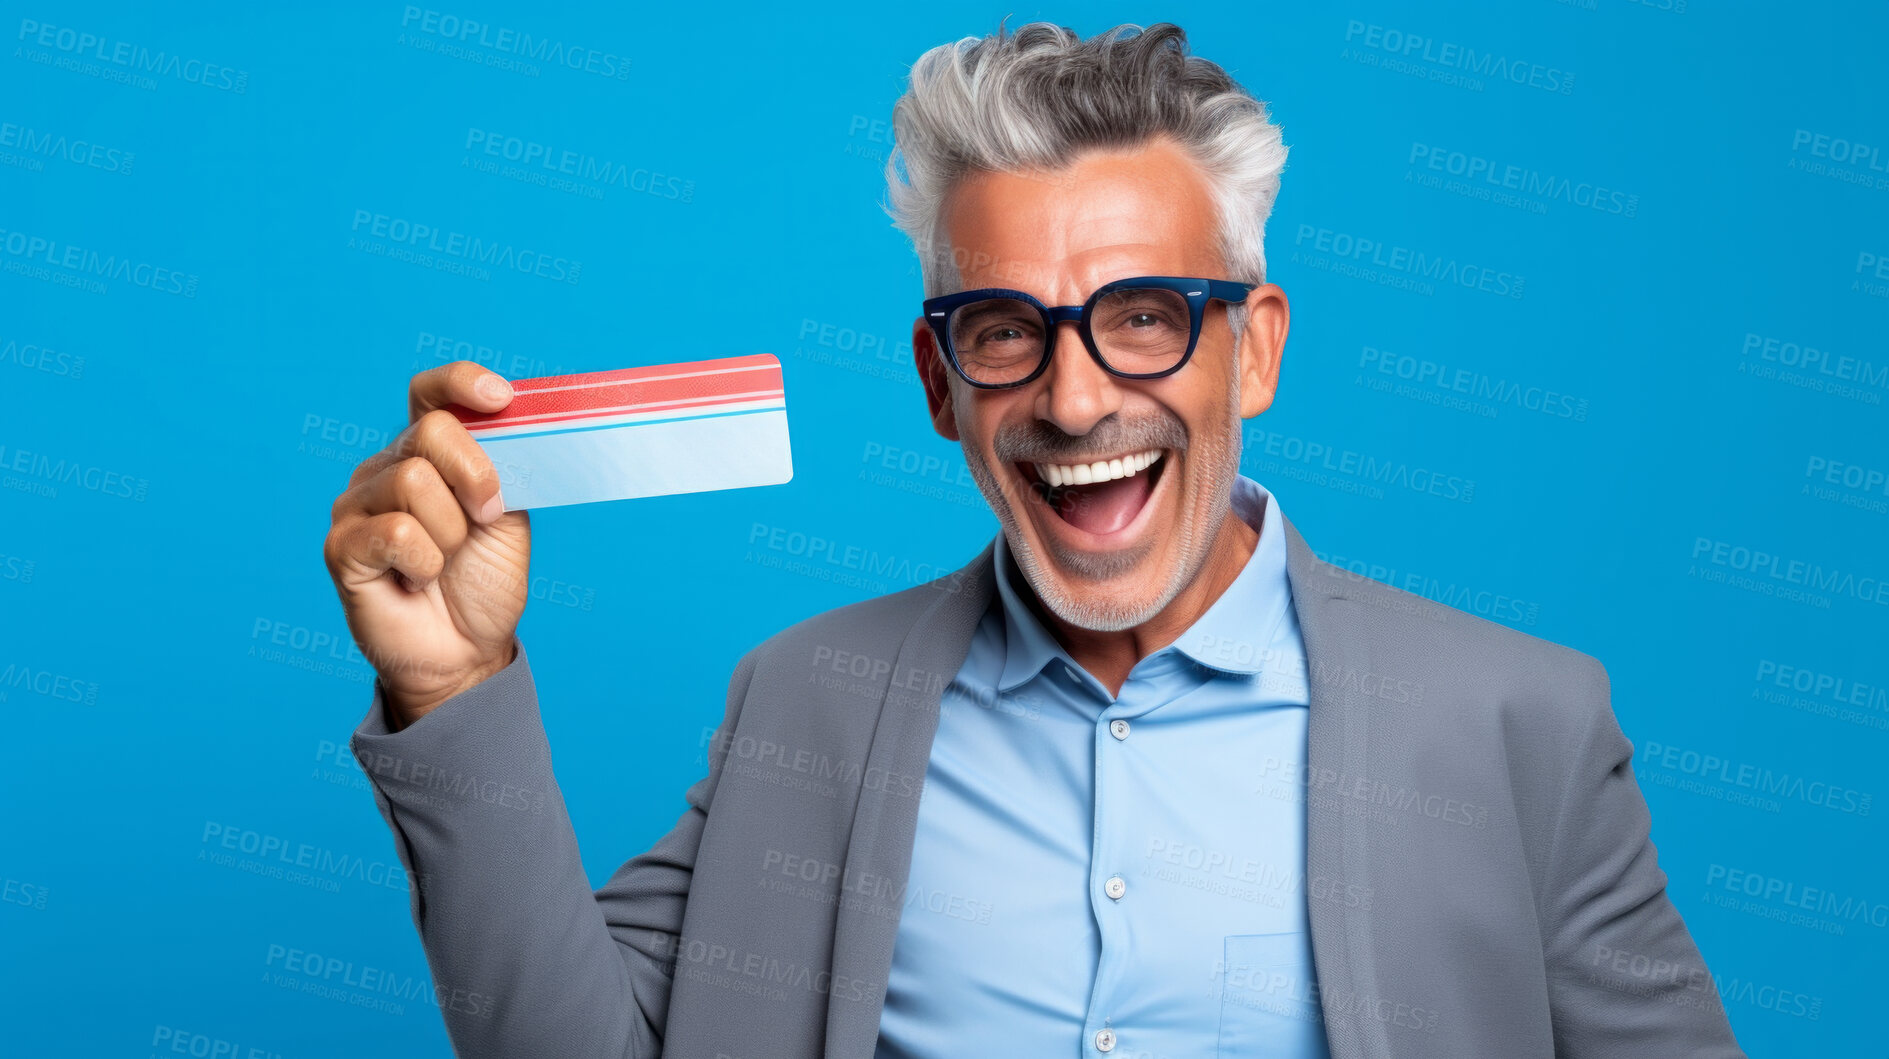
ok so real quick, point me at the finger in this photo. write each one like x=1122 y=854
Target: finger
x=462 y=383
x=363 y=549
x=412 y=485
x=441 y=439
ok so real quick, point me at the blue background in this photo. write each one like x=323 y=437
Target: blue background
x=176 y=666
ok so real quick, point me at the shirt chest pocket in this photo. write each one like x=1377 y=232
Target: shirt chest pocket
x=1269 y=1005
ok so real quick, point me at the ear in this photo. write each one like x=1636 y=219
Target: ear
x=936 y=376
x=1262 y=344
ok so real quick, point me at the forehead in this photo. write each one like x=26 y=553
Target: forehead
x=1140 y=211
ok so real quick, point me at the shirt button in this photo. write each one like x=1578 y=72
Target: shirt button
x=1118 y=728
x=1105 y=1040
x=1115 y=887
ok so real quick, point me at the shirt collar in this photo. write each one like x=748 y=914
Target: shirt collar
x=1231 y=637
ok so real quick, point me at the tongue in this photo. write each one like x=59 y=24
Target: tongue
x=1107 y=507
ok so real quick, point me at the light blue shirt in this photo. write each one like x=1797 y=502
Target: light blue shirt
x=1116 y=875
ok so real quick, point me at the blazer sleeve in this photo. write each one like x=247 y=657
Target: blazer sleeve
x=1624 y=976
x=526 y=958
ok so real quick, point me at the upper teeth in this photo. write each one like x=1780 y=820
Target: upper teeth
x=1099 y=471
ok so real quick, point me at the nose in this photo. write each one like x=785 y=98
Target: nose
x=1076 y=393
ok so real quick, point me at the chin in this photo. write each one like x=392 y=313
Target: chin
x=1098 y=542
x=1086 y=607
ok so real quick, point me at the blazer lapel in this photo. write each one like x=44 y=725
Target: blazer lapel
x=1336 y=842
x=885 y=820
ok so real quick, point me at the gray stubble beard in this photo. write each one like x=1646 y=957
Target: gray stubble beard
x=1219 y=460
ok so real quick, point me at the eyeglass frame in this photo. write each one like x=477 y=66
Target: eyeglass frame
x=1198 y=293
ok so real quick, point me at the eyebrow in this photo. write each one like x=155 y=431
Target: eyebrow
x=979 y=310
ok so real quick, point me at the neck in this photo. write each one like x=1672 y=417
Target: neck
x=1108 y=656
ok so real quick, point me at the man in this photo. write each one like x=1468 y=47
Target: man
x=1144 y=777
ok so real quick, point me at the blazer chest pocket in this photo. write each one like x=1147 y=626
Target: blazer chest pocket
x=1269 y=1005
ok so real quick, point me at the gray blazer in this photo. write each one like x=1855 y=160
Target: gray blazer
x=1479 y=875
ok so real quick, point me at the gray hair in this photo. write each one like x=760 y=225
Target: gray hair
x=1035 y=99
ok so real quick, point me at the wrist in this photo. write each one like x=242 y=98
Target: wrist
x=404 y=708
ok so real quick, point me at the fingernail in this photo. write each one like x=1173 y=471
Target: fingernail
x=494 y=388
x=493 y=509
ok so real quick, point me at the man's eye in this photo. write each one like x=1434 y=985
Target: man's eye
x=1143 y=320
x=1003 y=333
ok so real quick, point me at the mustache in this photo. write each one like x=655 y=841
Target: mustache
x=1040 y=442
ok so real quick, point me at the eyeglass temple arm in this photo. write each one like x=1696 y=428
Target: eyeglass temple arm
x=1228 y=290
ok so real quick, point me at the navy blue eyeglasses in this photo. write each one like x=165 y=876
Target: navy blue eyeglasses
x=1140 y=328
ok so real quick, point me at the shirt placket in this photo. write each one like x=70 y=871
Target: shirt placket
x=1109 y=898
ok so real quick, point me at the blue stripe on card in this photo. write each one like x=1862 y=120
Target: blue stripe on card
x=618 y=426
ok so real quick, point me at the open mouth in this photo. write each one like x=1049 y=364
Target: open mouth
x=1100 y=497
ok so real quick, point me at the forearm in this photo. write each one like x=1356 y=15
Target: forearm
x=521 y=959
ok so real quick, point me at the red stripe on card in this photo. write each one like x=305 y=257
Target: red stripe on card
x=654 y=406
x=654 y=385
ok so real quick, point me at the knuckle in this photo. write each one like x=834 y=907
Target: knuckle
x=332 y=549
x=435 y=426
x=478 y=468
x=433 y=376
x=470 y=465
x=366 y=468
x=398 y=535
x=414 y=474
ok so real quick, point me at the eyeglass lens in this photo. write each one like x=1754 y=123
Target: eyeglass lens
x=1137 y=330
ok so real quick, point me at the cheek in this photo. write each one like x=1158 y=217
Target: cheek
x=980 y=420
x=1202 y=410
